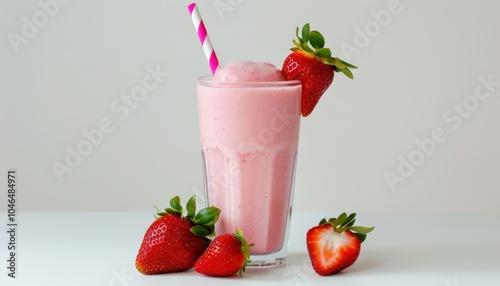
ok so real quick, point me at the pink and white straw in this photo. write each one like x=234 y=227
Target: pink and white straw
x=204 y=40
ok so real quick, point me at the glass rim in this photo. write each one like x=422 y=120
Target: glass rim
x=207 y=80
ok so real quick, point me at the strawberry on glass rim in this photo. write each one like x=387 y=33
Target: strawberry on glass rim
x=313 y=64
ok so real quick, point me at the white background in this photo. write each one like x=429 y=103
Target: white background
x=415 y=66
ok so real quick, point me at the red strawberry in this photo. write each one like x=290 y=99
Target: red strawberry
x=174 y=242
x=313 y=65
x=227 y=254
x=335 y=244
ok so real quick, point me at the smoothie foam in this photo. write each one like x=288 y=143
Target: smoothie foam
x=249 y=128
x=248 y=72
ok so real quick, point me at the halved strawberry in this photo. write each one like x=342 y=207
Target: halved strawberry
x=174 y=242
x=314 y=66
x=227 y=254
x=335 y=244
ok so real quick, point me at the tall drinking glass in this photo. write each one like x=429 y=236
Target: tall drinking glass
x=249 y=137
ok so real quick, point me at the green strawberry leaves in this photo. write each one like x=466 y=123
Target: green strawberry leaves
x=245 y=249
x=316 y=39
x=313 y=42
x=175 y=206
x=191 y=207
x=346 y=222
x=207 y=216
x=361 y=236
x=305 y=33
x=324 y=52
x=204 y=221
x=201 y=231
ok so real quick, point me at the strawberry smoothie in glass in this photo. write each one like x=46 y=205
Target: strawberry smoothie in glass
x=249 y=120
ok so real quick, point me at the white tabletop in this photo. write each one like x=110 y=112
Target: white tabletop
x=459 y=249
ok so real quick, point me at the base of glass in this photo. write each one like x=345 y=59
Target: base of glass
x=265 y=261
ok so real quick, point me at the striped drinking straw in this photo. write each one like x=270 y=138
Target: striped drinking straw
x=204 y=40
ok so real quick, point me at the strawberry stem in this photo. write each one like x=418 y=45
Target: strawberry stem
x=245 y=249
x=346 y=222
x=204 y=221
x=313 y=42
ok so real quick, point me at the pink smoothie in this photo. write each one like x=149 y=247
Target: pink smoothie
x=249 y=128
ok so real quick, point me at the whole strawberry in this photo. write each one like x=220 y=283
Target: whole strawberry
x=227 y=254
x=335 y=244
x=174 y=242
x=314 y=66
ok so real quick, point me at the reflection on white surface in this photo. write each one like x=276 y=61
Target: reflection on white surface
x=404 y=249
